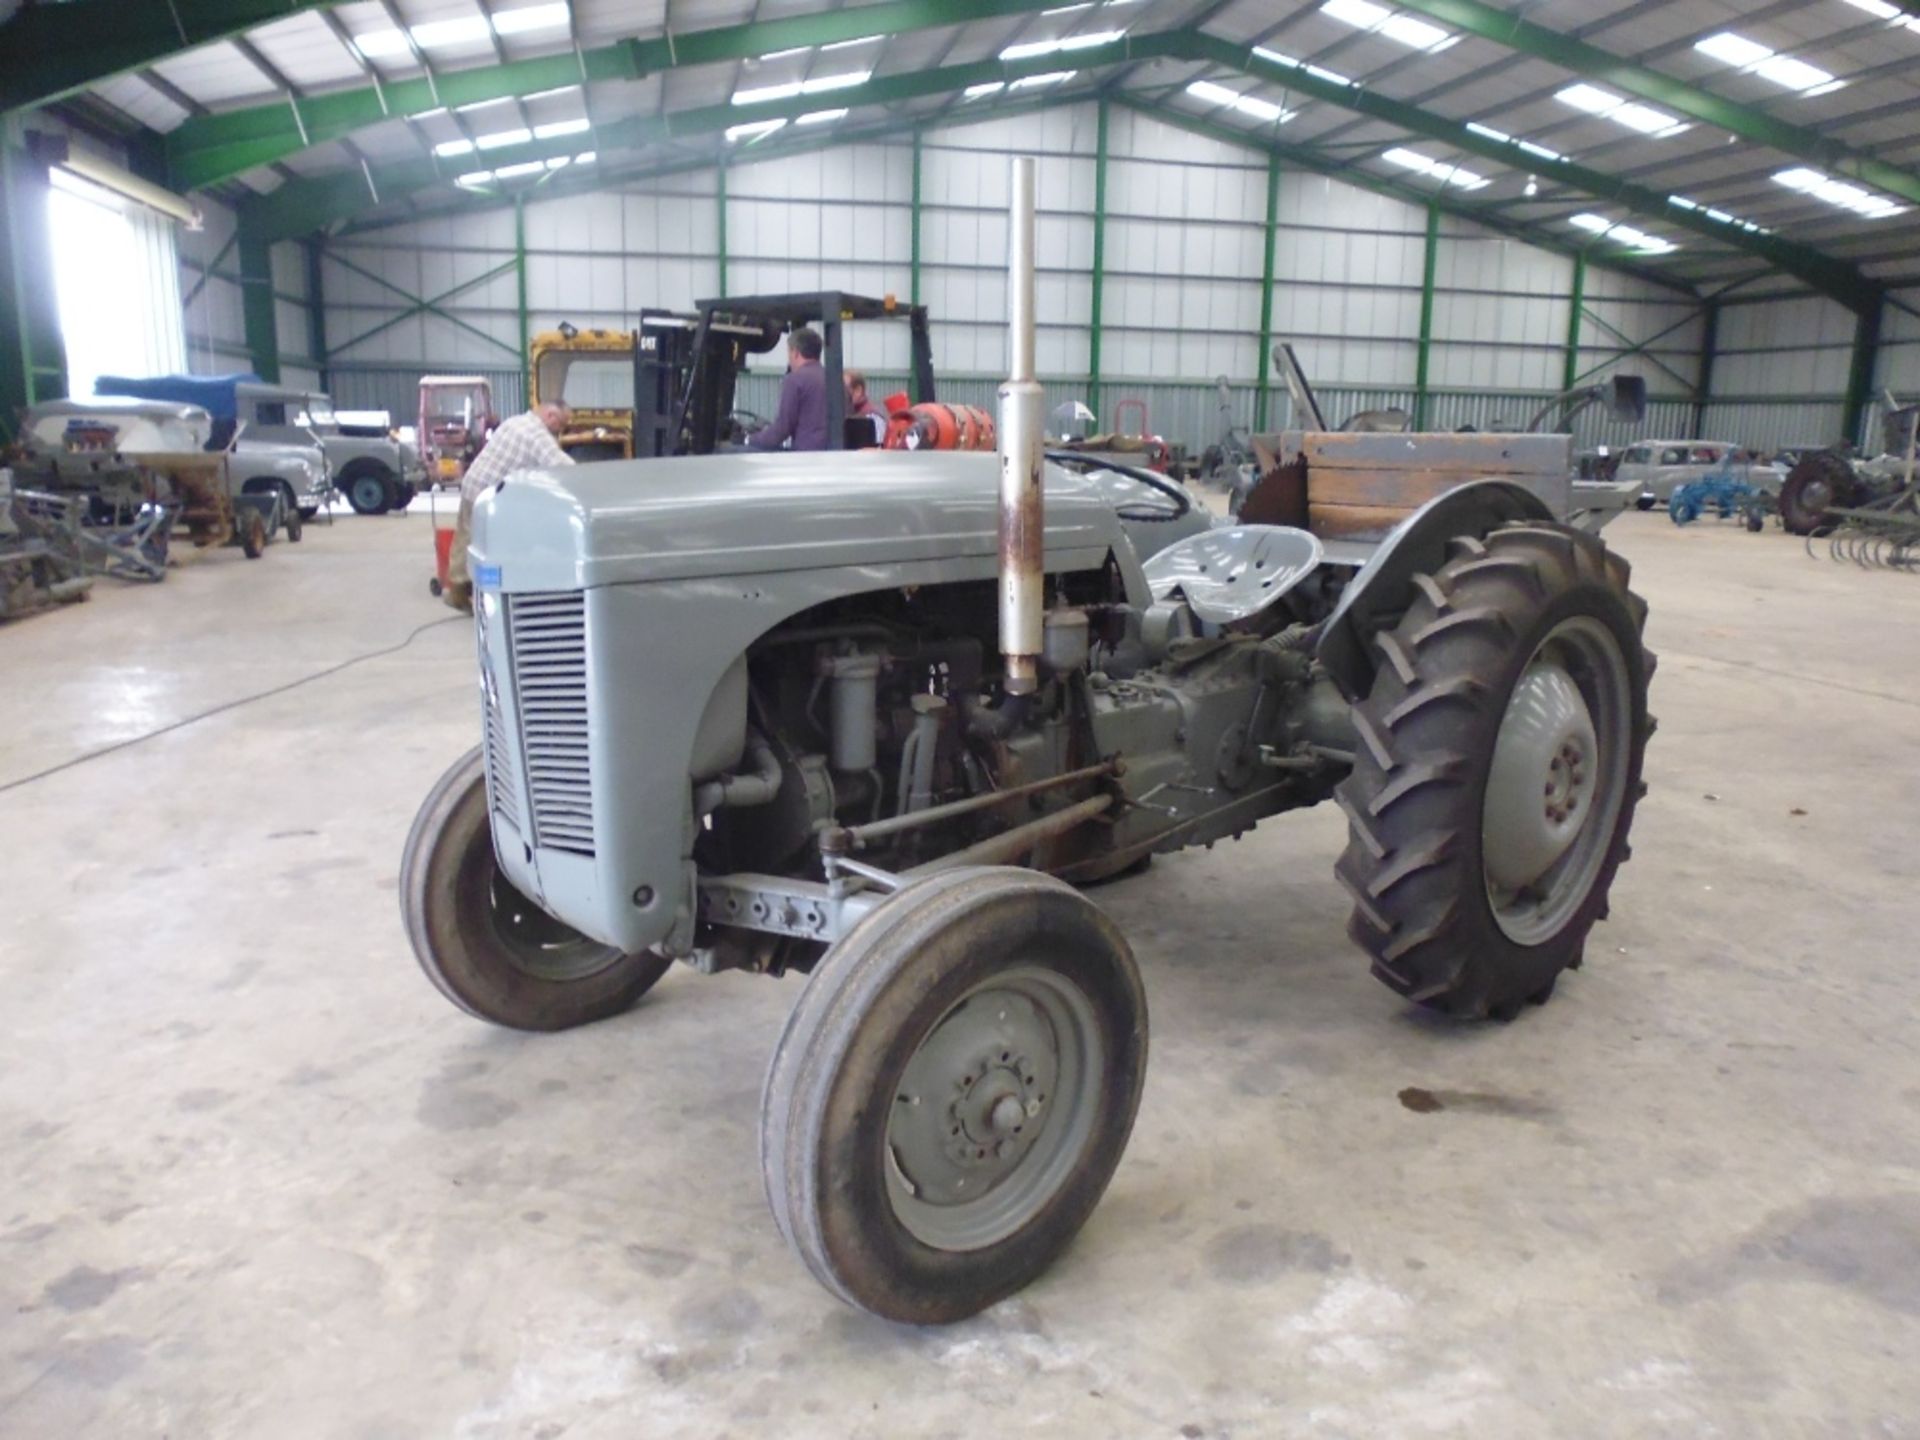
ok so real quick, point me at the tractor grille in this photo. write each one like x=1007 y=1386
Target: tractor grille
x=547 y=635
x=501 y=789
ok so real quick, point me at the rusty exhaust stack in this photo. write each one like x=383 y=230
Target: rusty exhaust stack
x=1023 y=573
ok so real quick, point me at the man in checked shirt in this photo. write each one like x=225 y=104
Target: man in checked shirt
x=526 y=442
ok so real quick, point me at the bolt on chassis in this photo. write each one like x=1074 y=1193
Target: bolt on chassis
x=870 y=716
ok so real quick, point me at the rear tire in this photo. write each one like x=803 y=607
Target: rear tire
x=486 y=947
x=1459 y=795
x=953 y=1092
x=1818 y=483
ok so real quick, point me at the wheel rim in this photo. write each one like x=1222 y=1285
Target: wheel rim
x=1557 y=781
x=995 y=1110
x=368 y=492
x=532 y=941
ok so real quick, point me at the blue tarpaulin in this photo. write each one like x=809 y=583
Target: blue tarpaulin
x=212 y=393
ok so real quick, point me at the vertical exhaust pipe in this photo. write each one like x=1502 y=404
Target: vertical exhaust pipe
x=1023 y=573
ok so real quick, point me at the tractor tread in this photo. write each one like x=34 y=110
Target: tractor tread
x=1412 y=862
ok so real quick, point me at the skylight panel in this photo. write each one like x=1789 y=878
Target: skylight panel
x=460 y=30
x=559 y=128
x=792 y=88
x=1445 y=173
x=1366 y=15
x=1263 y=110
x=1892 y=14
x=1036 y=82
x=1684 y=203
x=500 y=138
x=381 y=44
x=1626 y=235
x=990 y=87
x=1839 y=193
x=1033 y=48
x=1620 y=110
x=822 y=117
x=752 y=130
x=531 y=17
x=1754 y=58
x=1275 y=57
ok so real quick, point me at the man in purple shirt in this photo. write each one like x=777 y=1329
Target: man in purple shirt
x=802 y=416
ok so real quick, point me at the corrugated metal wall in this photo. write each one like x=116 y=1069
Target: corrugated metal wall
x=1184 y=238
x=1780 y=372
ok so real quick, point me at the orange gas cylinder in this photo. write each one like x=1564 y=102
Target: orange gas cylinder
x=934 y=426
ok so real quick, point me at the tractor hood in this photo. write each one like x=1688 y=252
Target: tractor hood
x=691 y=517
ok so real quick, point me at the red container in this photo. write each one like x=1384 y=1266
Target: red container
x=442 y=554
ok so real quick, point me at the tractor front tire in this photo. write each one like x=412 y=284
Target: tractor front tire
x=1496 y=770
x=483 y=944
x=953 y=1092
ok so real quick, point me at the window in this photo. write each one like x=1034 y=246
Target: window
x=1638 y=455
x=1673 y=455
x=270 y=412
x=116 y=280
x=1706 y=455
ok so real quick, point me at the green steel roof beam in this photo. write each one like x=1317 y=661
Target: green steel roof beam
x=1749 y=122
x=209 y=149
x=300 y=206
x=1307 y=159
x=50 y=52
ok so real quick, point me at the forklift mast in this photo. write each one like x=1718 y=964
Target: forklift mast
x=707 y=399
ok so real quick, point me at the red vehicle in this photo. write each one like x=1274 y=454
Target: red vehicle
x=456 y=417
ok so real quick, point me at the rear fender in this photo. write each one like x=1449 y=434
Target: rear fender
x=1381 y=592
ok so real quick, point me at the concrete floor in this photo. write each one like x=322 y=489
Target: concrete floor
x=259 y=1179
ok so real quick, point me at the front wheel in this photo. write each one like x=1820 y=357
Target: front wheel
x=368 y=491
x=1497 y=770
x=483 y=944
x=953 y=1092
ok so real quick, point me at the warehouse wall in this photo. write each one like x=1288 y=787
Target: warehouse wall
x=1780 y=372
x=1184 y=243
